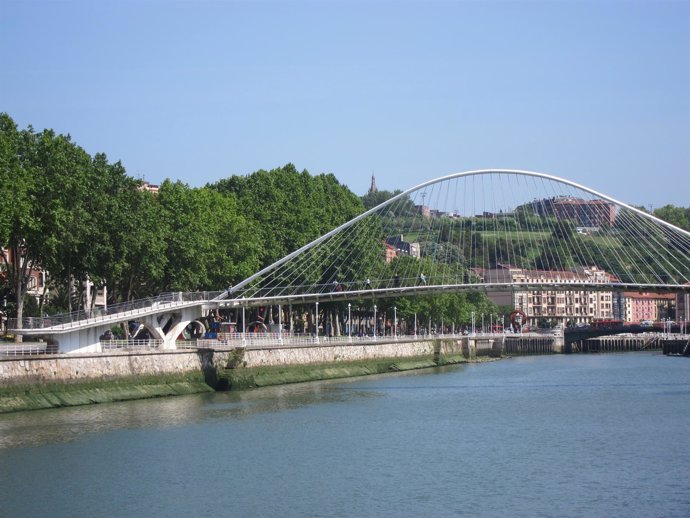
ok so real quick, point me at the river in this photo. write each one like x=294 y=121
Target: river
x=551 y=436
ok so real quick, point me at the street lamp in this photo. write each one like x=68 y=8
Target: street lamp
x=374 y=321
x=244 y=329
x=316 y=323
x=280 y=324
x=473 y=329
x=349 y=322
x=395 y=322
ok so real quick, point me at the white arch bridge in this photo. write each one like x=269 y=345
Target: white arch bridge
x=497 y=230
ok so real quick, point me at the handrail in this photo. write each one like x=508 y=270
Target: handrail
x=100 y=314
x=109 y=345
x=26 y=348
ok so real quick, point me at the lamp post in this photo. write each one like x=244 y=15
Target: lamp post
x=374 y=321
x=395 y=323
x=280 y=324
x=415 y=325
x=349 y=322
x=316 y=323
x=482 y=323
x=244 y=330
x=473 y=329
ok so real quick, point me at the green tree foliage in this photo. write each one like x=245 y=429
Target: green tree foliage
x=20 y=232
x=677 y=216
x=80 y=217
x=290 y=208
x=372 y=199
x=451 y=309
x=209 y=245
x=132 y=243
x=67 y=187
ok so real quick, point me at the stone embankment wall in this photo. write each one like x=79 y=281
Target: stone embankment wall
x=89 y=367
x=48 y=381
x=45 y=381
x=326 y=353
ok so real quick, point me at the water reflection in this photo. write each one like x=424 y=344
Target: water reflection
x=61 y=425
x=554 y=436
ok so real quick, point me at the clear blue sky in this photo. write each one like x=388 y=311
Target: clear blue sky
x=596 y=92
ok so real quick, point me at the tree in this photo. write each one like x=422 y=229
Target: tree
x=65 y=189
x=19 y=224
x=372 y=199
x=208 y=244
x=290 y=208
x=132 y=241
x=677 y=216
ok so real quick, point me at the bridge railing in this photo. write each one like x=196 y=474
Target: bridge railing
x=262 y=340
x=97 y=313
x=26 y=349
x=130 y=345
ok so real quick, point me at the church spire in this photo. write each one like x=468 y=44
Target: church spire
x=373 y=187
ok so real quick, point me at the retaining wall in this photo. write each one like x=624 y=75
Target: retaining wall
x=325 y=353
x=63 y=380
x=89 y=367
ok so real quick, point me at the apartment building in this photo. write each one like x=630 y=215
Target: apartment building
x=572 y=302
x=633 y=306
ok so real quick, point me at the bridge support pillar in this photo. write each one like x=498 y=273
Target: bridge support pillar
x=80 y=340
x=186 y=317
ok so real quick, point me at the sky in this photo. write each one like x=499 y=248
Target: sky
x=594 y=92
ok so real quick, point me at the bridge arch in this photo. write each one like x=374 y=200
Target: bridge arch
x=610 y=254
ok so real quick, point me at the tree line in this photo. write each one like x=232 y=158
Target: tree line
x=81 y=217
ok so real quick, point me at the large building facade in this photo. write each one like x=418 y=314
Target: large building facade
x=575 y=302
x=634 y=306
x=571 y=304
x=585 y=213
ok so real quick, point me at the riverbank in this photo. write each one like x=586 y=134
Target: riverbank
x=36 y=396
x=49 y=381
x=253 y=377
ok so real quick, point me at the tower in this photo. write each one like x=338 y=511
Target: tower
x=373 y=187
